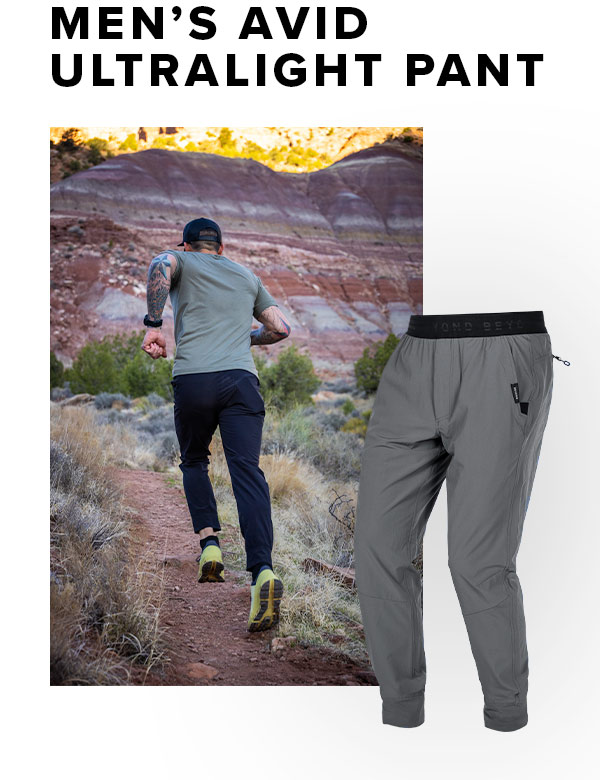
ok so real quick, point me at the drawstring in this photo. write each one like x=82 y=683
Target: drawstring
x=560 y=360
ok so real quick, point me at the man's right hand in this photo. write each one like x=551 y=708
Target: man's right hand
x=154 y=344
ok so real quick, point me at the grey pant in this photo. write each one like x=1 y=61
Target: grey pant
x=471 y=410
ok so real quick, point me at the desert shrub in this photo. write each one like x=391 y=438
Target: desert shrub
x=116 y=364
x=305 y=158
x=224 y=144
x=98 y=144
x=355 y=425
x=157 y=422
x=254 y=151
x=369 y=367
x=70 y=139
x=168 y=447
x=336 y=454
x=287 y=432
x=60 y=393
x=163 y=141
x=142 y=376
x=149 y=402
x=278 y=154
x=129 y=144
x=95 y=157
x=329 y=421
x=109 y=416
x=57 y=371
x=348 y=406
x=226 y=141
x=98 y=148
x=95 y=369
x=289 y=381
x=154 y=400
x=341 y=385
x=108 y=400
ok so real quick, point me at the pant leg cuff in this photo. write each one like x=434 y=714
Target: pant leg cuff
x=405 y=713
x=201 y=525
x=505 y=721
x=263 y=560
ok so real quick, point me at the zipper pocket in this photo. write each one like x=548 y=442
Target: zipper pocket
x=511 y=361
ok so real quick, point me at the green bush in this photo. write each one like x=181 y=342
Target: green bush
x=226 y=138
x=355 y=425
x=348 y=406
x=369 y=367
x=225 y=144
x=116 y=364
x=143 y=376
x=254 y=152
x=289 y=381
x=336 y=454
x=278 y=153
x=95 y=157
x=98 y=144
x=70 y=139
x=162 y=141
x=300 y=157
x=130 y=143
x=57 y=371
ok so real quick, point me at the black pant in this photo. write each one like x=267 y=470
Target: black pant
x=232 y=400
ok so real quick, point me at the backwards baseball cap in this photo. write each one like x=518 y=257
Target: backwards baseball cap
x=193 y=229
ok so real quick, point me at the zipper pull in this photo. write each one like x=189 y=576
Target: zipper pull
x=560 y=360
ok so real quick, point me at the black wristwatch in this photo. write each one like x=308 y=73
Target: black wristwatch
x=152 y=323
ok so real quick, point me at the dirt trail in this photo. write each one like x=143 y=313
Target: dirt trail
x=205 y=624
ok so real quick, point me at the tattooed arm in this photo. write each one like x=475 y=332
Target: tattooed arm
x=160 y=274
x=274 y=327
x=159 y=283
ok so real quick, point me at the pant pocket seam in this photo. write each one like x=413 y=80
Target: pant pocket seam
x=486 y=609
x=383 y=598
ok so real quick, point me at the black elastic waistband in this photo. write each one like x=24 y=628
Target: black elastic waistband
x=462 y=326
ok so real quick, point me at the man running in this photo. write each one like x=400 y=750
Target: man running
x=216 y=383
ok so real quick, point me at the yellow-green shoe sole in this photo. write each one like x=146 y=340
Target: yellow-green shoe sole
x=270 y=601
x=211 y=571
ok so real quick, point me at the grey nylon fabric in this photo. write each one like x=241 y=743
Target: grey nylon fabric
x=445 y=409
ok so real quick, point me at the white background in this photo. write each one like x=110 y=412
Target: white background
x=511 y=222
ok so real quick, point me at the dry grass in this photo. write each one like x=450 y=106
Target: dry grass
x=316 y=608
x=287 y=476
x=306 y=467
x=118 y=443
x=104 y=610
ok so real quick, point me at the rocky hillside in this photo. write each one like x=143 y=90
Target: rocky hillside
x=340 y=248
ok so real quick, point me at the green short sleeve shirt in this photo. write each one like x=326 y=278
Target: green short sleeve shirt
x=214 y=300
